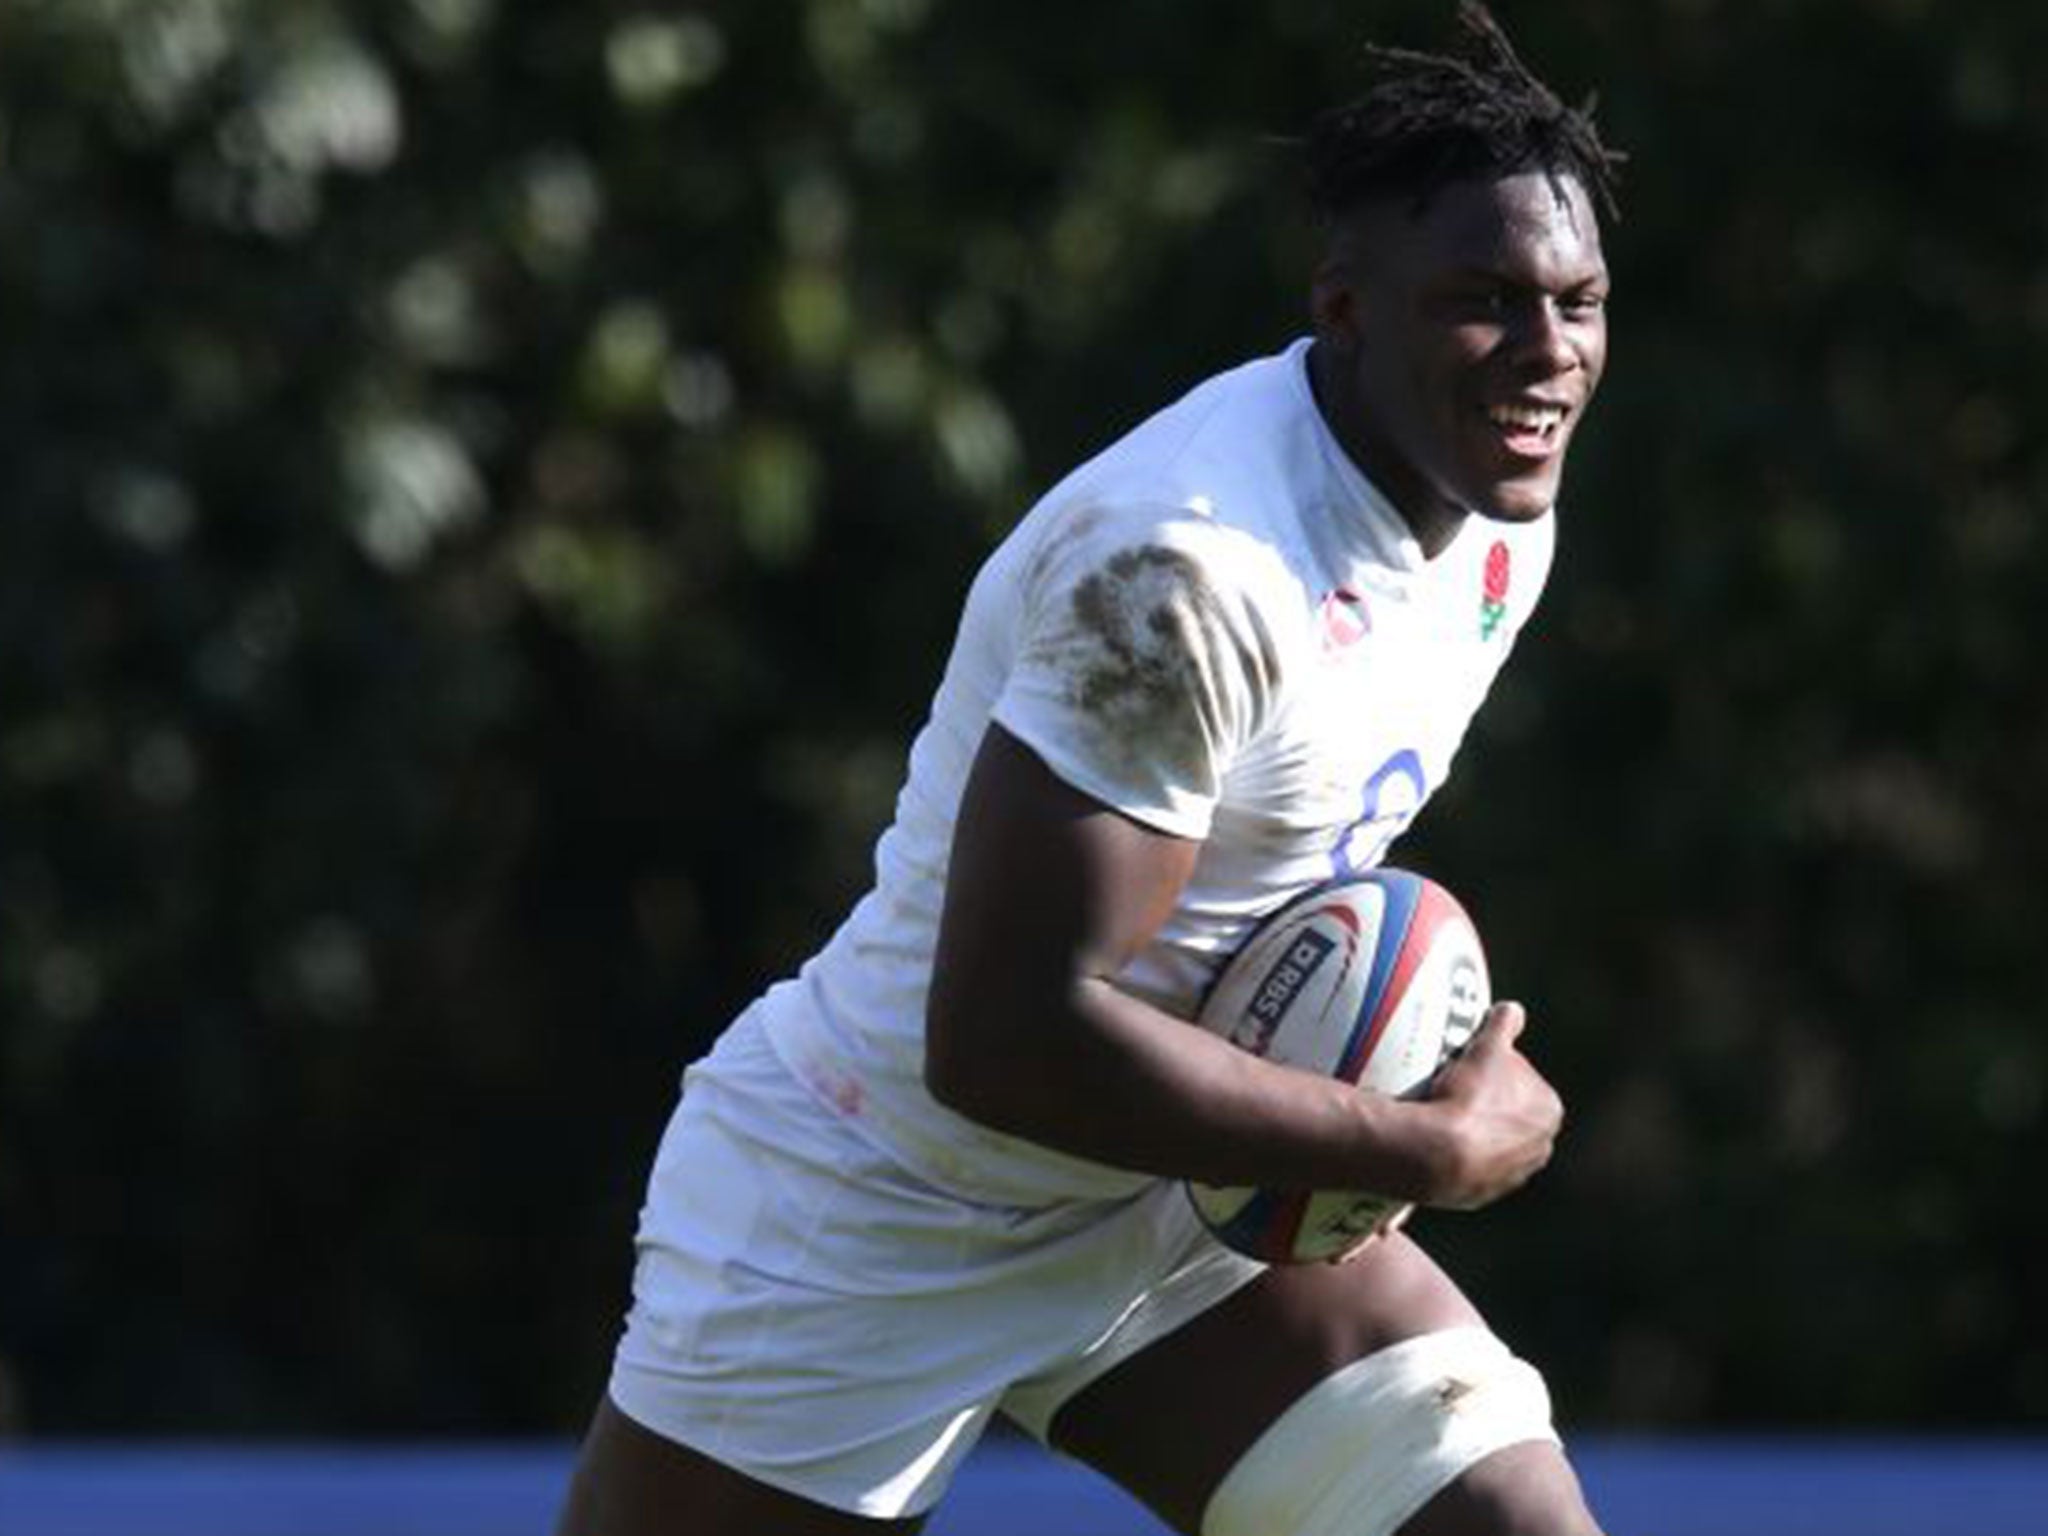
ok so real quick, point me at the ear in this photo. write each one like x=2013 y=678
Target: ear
x=1333 y=305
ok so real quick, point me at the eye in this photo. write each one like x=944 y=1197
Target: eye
x=1478 y=301
x=1583 y=303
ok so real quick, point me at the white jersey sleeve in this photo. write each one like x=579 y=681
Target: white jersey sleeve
x=1146 y=657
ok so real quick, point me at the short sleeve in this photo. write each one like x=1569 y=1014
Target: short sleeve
x=1146 y=660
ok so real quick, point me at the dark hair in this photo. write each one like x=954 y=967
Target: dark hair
x=1428 y=120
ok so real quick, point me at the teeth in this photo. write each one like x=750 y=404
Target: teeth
x=1527 y=418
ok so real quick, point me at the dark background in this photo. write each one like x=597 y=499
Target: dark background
x=484 y=490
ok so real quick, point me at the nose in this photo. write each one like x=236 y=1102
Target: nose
x=1542 y=339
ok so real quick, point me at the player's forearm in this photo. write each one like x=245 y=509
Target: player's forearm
x=1113 y=1079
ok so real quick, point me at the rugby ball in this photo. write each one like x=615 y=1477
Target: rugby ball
x=1377 y=979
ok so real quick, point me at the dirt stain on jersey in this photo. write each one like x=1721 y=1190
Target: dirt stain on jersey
x=836 y=1087
x=1073 y=527
x=1151 y=641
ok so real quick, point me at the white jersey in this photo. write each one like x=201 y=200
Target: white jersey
x=1220 y=628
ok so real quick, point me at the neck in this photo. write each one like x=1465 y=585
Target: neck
x=1433 y=520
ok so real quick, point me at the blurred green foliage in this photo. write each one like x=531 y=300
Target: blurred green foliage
x=487 y=488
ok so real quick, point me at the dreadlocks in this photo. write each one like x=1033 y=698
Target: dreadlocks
x=1432 y=119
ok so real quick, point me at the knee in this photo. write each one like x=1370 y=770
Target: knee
x=1444 y=1434
x=1520 y=1490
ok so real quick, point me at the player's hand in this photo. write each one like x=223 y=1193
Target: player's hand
x=1501 y=1117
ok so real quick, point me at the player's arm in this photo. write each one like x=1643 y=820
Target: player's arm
x=1049 y=894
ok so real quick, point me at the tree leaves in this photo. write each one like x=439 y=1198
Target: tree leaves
x=487 y=491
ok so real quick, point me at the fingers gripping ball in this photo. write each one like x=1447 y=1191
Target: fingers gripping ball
x=1377 y=979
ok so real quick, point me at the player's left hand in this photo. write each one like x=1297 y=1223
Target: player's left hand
x=1504 y=1117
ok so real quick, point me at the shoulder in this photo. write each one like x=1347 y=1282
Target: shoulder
x=1117 y=555
x=1229 y=449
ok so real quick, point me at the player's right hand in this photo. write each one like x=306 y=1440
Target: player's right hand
x=1500 y=1118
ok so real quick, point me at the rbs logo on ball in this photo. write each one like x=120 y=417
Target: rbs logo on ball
x=1289 y=975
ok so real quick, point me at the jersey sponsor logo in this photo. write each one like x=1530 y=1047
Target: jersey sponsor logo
x=1493 y=589
x=1283 y=983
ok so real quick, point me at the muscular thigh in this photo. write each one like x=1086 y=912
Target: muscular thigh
x=631 y=1482
x=1171 y=1421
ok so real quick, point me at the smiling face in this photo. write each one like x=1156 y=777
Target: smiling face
x=1458 y=346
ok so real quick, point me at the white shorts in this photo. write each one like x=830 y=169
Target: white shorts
x=810 y=1314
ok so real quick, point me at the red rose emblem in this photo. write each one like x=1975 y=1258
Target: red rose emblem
x=1497 y=570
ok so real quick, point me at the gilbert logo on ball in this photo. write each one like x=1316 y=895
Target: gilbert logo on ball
x=1377 y=979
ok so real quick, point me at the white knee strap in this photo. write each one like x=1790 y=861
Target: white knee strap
x=1369 y=1446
